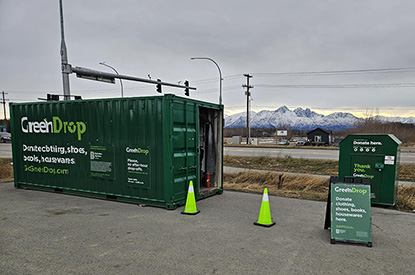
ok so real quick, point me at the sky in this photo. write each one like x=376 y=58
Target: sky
x=330 y=56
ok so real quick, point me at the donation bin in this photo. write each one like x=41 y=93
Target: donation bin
x=374 y=156
x=142 y=150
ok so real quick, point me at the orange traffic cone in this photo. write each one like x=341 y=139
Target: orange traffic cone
x=190 y=207
x=264 y=218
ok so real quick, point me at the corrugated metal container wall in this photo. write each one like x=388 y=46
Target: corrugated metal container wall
x=138 y=150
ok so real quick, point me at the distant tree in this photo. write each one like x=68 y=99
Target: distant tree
x=372 y=124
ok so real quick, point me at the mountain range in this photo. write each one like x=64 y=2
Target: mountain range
x=302 y=119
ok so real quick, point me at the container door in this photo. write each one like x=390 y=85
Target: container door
x=184 y=147
x=369 y=167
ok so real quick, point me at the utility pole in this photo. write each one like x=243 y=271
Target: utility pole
x=248 y=94
x=4 y=103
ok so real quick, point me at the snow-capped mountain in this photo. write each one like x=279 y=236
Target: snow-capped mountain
x=302 y=119
x=407 y=120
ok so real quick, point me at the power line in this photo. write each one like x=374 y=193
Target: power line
x=227 y=88
x=208 y=80
x=273 y=74
x=338 y=72
x=234 y=107
x=340 y=86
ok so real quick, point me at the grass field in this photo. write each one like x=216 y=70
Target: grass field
x=300 y=165
x=6 y=170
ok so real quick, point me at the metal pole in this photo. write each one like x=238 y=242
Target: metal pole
x=101 y=76
x=64 y=60
x=247 y=113
x=220 y=75
x=122 y=89
x=250 y=115
x=248 y=94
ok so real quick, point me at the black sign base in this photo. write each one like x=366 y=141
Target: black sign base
x=333 y=241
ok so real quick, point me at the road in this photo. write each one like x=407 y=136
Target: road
x=323 y=154
x=5 y=150
x=49 y=233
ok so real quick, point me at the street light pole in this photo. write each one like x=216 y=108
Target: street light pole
x=122 y=88
x=220 y=75
x=64 y=60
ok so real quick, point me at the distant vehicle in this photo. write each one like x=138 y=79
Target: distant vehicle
x=284 y=142
x=302 y=142
x=5 y=137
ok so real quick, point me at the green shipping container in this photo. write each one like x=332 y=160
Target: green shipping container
x=373 y=156
x=141 y=150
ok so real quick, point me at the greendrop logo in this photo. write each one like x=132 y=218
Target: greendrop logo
x=350 y=190
x=137 y=150
x=55 y=126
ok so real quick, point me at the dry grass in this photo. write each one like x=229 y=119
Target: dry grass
x=293 y=186
x=407 y=172
x=6 y=170
x=406 y=198
x=299 y=186
x=284 y=164
x=300 y=165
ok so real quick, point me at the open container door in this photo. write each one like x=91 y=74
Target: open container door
x=210 y=149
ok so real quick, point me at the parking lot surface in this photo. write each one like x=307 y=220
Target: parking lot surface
x=48 y=233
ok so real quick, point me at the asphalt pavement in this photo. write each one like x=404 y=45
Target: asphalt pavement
x=48 y=233
x=5 y=150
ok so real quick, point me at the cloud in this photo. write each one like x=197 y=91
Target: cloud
x=159 y=37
